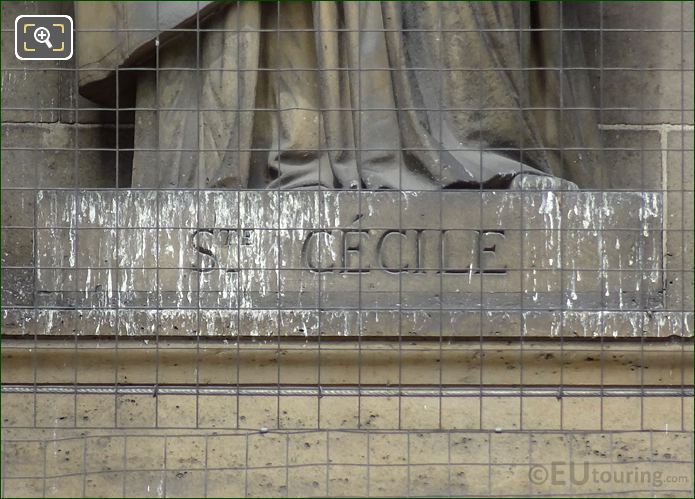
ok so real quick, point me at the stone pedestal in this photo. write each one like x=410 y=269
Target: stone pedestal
x=337 y=263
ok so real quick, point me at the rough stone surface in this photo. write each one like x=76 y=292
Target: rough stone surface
x=646 y=47
x=56 y=155
x=373 y=263
x=383 y=363
x=463 y=445
x=635 y=151
x=680 y=222
x=334 y=462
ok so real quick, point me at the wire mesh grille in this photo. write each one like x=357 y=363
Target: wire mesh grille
x=349 y=249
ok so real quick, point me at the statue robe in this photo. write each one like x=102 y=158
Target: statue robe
x=405 y=95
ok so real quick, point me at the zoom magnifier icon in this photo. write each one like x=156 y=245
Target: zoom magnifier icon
x=42 y=35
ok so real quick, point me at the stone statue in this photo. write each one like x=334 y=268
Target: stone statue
x=395 y=95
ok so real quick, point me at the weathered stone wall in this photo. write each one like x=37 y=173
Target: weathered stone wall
x=347 y=463
x=645 y=60
x=220 y=444
x=641 y=65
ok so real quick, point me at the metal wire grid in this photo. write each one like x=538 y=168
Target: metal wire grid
x=281 y=389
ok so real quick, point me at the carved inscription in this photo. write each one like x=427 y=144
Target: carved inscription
x=217 y=247
x=313 y=252
x=394 y=251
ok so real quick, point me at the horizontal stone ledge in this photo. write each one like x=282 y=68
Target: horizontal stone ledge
x=337 y=363
x=272 y=323
x=675 y=345
x=361 y=391
x=337 y=263
x=186 y=341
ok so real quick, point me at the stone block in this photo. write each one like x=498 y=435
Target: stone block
x=135 y=411
x=266 y=482
x=679 y=221
x=184 y=483
x=64 y=155
x=217 y=412
x=333 y=264
x=105 y=454
x=307 y=481
x=338 y=412
x=26 y=487
x=298 y=412
x=185 y=453
x=418 y=463
x=98 y=411
x=66 y=457
x=645 y=49
x=663 y=414
x=258 y=412
x=648 y=15
x=225 y=483
x=657 y=96
x=177 y=411
x=146 y=452
x=632 y=160
x=15 y=407
x=226 y=451
x=388 y=448
x=461 y=413
x=646 y=37
x=55 y=410
x=391 y=481
x=345 y=480
x=541 y=413
x=66 y=486
x=473 y=480
x=502 y=413
x=24 y=459
x=429 y=480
